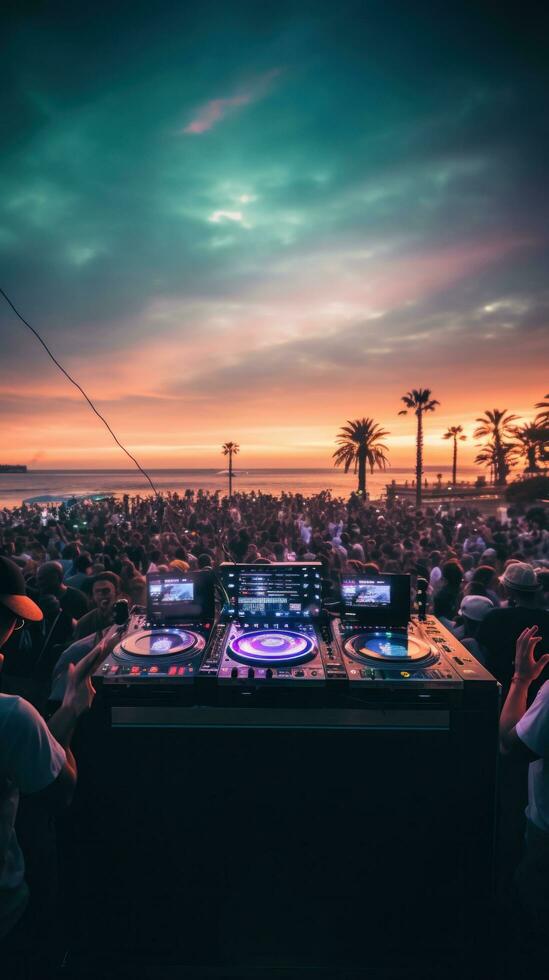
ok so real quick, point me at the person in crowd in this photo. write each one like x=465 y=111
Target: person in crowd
x=472 y=611
x=178 y=565
x=474 y=542
x=483 y=583
x=448 y=591
x=79 y=578
x=35 y=757
x=49 y=581
x=445 y=606
x=435 y=575
x=524 y=733
x=105 y=592
x=500 y=629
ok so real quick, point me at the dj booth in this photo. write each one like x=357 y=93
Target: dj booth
x=275 y=784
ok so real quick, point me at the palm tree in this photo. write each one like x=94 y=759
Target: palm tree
x=496 y=425
x=419 y=401
x=230 y=449
x=359 y=444
x=543 y=416
x=531 y=442
x=454 y=432
x=489 y=456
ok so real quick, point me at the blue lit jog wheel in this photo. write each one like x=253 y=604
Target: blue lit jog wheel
x=389 y=646
x=271 y=647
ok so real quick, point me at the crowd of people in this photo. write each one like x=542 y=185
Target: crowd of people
x=78 y=560
x=488 y=582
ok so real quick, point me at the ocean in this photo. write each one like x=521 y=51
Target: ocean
x=16 y=487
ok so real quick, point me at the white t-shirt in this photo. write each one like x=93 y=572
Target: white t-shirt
x=30 y=759
x=533 y=730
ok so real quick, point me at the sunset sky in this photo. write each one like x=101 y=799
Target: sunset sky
x=253 y=221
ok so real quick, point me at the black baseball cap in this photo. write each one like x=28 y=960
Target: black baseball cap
x=13 y=593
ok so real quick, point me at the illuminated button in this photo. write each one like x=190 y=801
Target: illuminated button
x=153 y=670
x=180 y=671
x=114 y=669
x=172 y=671
x=135 y=670
x=403 y=673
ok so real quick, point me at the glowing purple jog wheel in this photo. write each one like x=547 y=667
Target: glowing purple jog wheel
x=271 y=647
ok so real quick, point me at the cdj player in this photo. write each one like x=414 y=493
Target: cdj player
x=272 y=625
x=165 y=642
x=381 y=644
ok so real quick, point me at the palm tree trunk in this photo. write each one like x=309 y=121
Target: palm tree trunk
x=500 y=461
x=455 y=462
x=230 y=475
x=362 y=473
x=419 y=457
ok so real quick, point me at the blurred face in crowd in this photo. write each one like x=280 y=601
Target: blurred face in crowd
x=104 y=595
x=49 y=578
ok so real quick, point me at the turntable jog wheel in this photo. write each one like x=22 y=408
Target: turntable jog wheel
x=271 y=647
x=161 y=643
x=389 y=647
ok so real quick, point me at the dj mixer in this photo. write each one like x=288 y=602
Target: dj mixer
x=164 y=643
x=272 y=625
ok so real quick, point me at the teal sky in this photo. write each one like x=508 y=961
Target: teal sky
x=251 y=221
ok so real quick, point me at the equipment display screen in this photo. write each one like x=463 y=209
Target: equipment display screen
x=270 y=593
x=376 y=599
x=174 y=596
x=366 y=592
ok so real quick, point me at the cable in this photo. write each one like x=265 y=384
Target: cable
x=80 y=389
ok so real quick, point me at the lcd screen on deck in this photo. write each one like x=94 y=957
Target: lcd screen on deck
x=173 y=597
x=379 y=599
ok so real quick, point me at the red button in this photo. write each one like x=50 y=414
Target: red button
x=153 y=670
x=134 y=670
x=180 y=670
x=172 y=671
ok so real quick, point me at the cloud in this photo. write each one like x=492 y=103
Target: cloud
x=219 y=216
x=217 y=109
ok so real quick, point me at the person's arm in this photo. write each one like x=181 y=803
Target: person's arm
x=527 y=669
x=78 y=698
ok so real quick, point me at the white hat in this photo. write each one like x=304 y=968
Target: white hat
x=475 y=607
x=520 y=576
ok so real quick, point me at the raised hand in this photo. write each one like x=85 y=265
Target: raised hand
x=79 y=691
x=527 y=668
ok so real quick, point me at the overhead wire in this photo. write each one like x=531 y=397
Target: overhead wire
x=81 y=390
